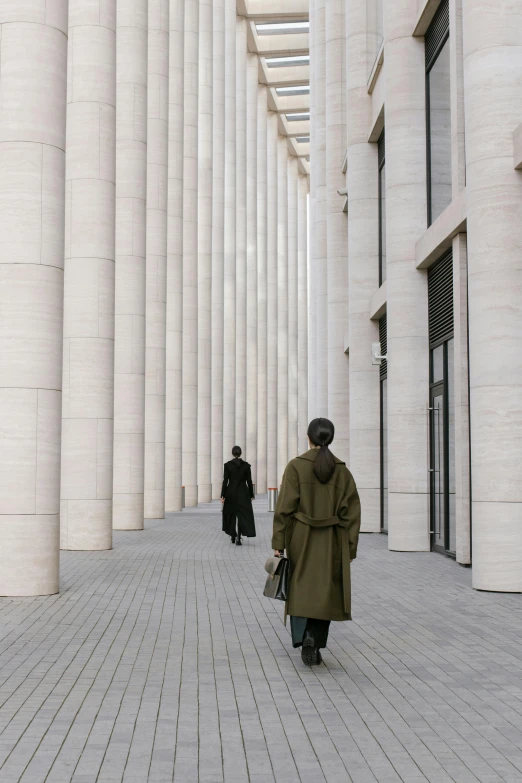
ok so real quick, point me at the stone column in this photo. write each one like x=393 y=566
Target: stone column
x=461 y=391
x=205 y=252
x=218 y=212
x=337 y=228
x=129 y=317
x=156 y=257
x=272 y=319
x=282 y=307
x=189 y=381
x=32 y=203
x=320 y=227
x=241 y=232
x=302 y=314
x=88 y=325
x=312 y=340
x=173 y=390
x=363 y=267
x=493 y=107
x=407 y=308
x=229 y=345
x=262 y=318
x=251 y=201
x=293 y=342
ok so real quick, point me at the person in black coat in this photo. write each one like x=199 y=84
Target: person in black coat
x=237 y=494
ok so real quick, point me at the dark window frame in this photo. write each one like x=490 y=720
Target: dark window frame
x=381 y=164
x=442 y=386
x=383 y=376
x=435 y=39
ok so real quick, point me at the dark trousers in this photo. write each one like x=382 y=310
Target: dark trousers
x=317 y=628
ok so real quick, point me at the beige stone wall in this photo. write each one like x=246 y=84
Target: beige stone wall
x=150 y=240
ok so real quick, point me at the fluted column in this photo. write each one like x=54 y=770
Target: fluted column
x=205 y=251
x=156 y=257
x=129 y=318
x=272 y=315
x=190 y=256
x=262 y=318
x=312 y=340
x=241 y=232
x=282 y=306
x=293 y=341
x=337 y=228
x=251 y=357
x=88 y=326
x=32 y=183
x=407 y=308
x=302 y=314
x=493 y=110
x=363 y=266
x=229 y=345
x=218 y=211
x=174 y=318
x=320 y=227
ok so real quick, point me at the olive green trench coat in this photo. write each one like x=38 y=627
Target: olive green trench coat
x=318 y=525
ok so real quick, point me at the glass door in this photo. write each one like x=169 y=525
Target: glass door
x=437 y=469
x=442 y=450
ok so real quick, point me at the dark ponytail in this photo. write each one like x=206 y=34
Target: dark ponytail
x=321 y=433
x=236 y=452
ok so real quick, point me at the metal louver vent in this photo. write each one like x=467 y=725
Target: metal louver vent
x=437 y=33
x=381 y=149
x=440 y=300
x=383 y=337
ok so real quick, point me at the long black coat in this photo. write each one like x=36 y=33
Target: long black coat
x=238 y=492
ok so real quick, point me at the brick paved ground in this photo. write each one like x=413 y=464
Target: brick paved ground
x=162 y=661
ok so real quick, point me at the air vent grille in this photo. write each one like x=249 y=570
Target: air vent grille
x=383 y=337
x=437 y=33
x=381 y=149
x=440 y=300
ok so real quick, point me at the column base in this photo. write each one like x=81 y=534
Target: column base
x=408 y=529
x=497 y=547
x=127 y=512
x=86 y=525
x=29 y=554
x=191 y=496
x=154 y=504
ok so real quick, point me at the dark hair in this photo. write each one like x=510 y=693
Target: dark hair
x=321 y=433
x=236 y=452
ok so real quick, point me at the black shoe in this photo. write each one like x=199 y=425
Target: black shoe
x=233 y=539
x=309 y=652
x=319 y=658
x=238 y=542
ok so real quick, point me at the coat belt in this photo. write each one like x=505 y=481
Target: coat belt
x=345 y=548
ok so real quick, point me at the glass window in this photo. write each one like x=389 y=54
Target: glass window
x=439 y=133
x=437 y=364
x=384 y=454
x=382 y=223
x=452 y=480
x=374 y=27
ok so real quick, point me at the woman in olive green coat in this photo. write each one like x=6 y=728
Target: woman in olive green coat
x=317 y=521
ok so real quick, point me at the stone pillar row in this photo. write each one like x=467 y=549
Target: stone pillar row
x=154 y=284
x=329 y=305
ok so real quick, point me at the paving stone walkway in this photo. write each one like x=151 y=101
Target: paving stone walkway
x=161 y=661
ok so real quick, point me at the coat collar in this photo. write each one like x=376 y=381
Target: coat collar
x=312 y=454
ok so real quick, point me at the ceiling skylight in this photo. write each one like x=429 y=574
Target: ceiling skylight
x=282 y=28
x=300 y=89
x=300 y=116
x=283 y=62
x=302 y=139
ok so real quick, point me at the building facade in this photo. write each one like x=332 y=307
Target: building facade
x=221 y=218
x=432 y=154
x=153 y=272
